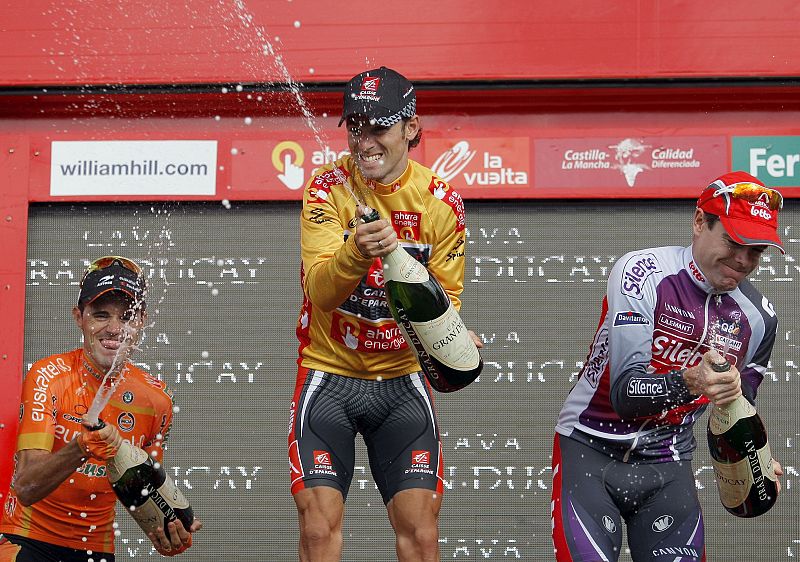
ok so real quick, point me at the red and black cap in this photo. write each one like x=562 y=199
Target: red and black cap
x=383 y=95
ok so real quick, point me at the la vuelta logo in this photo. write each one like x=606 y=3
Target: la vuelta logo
x=483 y=162
x=451 y=162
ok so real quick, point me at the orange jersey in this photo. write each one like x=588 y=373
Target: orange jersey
x=57 y=392
x=345 y=326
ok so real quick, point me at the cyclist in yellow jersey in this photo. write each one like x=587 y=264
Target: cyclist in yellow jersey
x=61 y=506
x=356 y=372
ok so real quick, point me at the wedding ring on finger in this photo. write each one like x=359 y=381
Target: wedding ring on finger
x=380 y=243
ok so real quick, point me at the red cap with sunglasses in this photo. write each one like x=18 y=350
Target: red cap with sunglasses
x=746 y=208
x=113 y=273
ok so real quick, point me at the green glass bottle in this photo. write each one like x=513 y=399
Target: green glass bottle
x=430 y=323
x=144 y=488
x=740 y=453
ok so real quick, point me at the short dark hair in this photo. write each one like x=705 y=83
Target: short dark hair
x=710 y=218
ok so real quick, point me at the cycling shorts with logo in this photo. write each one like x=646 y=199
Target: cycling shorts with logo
x=395 y=417
x=593 y=493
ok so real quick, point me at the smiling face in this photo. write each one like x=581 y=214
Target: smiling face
x=381 y=153
x=110 y=329
x=724 y=262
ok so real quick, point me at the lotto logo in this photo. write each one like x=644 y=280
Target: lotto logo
x=420 y=457
x=696 y=272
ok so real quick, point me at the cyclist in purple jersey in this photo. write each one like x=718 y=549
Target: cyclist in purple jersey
x=624 y=441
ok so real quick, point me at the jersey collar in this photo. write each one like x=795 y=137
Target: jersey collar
x=386 y=189
x=695 y=274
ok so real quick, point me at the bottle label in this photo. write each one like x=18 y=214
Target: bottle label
x=149 y=516
x=160 y=505
x=722 y=418
x=446 y=339
x=161 y=502
x=127 y=457
x=400 y=266
x=735 y=480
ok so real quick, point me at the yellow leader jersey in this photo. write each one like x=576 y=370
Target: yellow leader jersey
x=57 y=391
x=345 y=326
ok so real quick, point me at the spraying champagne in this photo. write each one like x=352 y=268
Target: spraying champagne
x=144 y=488
x=429 y=321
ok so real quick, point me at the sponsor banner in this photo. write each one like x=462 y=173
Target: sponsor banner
x=278 y=169
x=505 y=168
x=628 y=166
x=276 y=164
x=119 y=167
x=773 y=160
x=482 y=166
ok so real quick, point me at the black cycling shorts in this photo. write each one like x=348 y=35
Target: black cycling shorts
x=395 y=417
x=21 y=549
x=593 y=494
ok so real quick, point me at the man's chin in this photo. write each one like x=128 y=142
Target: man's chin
x=727 y=285
x=104 y=359
x=371 y=170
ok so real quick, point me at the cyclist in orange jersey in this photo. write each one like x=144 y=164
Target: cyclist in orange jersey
x=61 y=505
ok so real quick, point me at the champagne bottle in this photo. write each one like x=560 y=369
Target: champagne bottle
x=741 y=457
x=429 y=321
x=143 y=486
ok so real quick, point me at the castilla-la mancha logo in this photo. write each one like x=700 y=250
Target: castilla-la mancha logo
x=614 y=164
x=627 y=153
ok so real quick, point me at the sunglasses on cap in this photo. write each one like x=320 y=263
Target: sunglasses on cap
x=752 y=192
x=108 y=261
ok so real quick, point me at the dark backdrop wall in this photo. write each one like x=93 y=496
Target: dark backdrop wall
x=223 y=306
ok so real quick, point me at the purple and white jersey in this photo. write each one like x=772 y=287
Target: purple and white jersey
x=659 y=317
